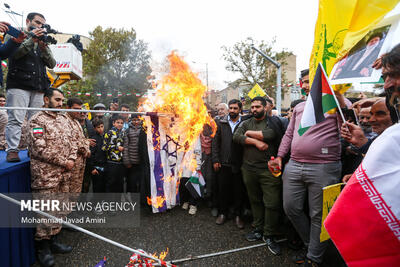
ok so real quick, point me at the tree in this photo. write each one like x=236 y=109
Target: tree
x=252 y=67
x=115 y=62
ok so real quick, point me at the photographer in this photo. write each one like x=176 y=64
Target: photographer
x=27 y=79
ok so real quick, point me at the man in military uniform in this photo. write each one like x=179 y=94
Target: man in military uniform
x=81 y=142
x=52 y=155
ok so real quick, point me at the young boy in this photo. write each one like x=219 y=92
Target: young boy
x=98 y=159
x=113 y=146
x=134 y=140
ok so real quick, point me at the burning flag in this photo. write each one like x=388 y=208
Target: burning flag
x=179 y=93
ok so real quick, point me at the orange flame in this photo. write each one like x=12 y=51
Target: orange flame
x=181 y=93
x=156 y=202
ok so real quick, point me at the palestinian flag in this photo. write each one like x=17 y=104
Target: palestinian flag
x=321 y=101
x=195 y=185
x=364 y=222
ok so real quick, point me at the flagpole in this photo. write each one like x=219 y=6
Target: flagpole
x=333 y=93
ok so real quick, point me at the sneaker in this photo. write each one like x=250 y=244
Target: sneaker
x=254 y=235
x=192 y=210
x=185 y=205
x=300 y=256
x=272 y=245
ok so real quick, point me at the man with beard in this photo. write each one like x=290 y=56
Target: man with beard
x=260 y=138
x=363 y=118
x=52 y=155
x=314 y=163
x=80 y=141
x=230 y=184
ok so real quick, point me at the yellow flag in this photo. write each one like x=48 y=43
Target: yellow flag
x=329 y=195
x=256 y=91
x=87 y=107
x=340 y=25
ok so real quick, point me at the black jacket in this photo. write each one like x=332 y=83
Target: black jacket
x=97 y=155
x=28 y=72
x=222 y=142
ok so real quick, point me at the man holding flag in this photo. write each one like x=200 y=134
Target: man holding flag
x=364 y=223
x=313 y=140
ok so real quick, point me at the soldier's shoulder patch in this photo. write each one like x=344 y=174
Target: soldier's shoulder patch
x=38 y=131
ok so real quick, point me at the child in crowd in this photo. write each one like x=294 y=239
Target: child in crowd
x=98 y=159
x=113 y=146
x=134 y=140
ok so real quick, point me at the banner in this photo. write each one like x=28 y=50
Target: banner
x=330 y=194
x=340 y=25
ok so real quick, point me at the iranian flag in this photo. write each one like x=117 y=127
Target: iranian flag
x=364 y=222
x=320 y=101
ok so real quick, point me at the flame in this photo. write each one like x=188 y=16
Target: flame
x=180 y=93
x=162 y=255
x=156 y=202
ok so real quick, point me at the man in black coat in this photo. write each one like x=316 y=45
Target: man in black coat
x=230 y=184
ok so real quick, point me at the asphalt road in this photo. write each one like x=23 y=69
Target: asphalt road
x=183 y=235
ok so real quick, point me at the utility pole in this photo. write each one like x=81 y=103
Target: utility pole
x=278 y=78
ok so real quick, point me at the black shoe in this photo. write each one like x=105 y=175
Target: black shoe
x=57 y=247
x=254 y=235
x=272 y=246
x=43 y=253
x=12 y=156
x=300 y=256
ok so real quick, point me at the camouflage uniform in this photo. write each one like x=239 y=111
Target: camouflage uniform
x=80 y=141
x=50 y=148
x=3 y=123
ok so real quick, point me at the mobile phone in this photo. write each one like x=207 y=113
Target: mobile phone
x=13 y=31
x=350 y=115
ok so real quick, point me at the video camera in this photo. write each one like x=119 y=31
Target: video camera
x=45 y=38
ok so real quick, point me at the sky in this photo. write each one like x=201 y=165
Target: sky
x=197 y=29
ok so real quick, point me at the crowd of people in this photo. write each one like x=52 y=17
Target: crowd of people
x=256 y=165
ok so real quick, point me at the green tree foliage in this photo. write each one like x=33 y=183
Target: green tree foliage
x=115 y=62
x=252 y=67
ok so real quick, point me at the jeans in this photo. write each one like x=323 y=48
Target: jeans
x=308 y=179
x=19 y=98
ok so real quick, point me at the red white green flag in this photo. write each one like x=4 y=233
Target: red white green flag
x=98 y=94
x=320 y=102
x=109 y=94
x=4 y=63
